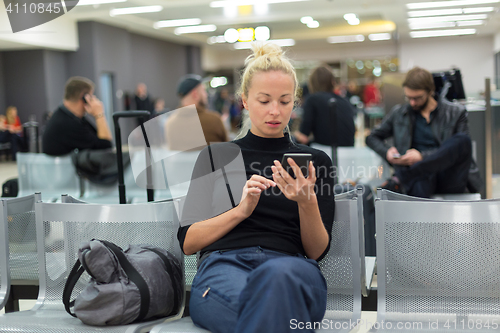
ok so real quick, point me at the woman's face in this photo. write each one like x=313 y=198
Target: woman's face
x=270 y=103
x=12 y=113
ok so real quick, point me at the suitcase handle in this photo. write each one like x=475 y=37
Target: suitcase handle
x=117 y=115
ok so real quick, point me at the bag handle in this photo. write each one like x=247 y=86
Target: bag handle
x=134 y=276
x=170 y=272
x=130 y=271
x=73 y=277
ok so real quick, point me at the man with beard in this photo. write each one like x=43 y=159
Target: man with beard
x=180 y=128
x=431 y=150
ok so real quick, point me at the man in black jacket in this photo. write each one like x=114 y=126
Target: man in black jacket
x=431 y=151
x=68 y=129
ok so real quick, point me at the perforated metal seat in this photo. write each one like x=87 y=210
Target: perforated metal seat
x=4 y=256
x=438 y=266
x=341 y=268
x=384 y=194
x=72 y=224
x=52 y=176
x=359 y=164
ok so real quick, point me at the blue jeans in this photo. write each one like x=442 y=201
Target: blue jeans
x=444 y=171
x=256 y=290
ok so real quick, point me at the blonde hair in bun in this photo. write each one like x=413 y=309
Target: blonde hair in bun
x=265 y=57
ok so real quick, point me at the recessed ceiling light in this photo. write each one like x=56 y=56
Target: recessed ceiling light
x=97 y=2
x=452 y=3
x=441 y=33
x=431 y=25
x=306 y=19
x=135 y=10
x=448 y=18
x=231 y=35
x=349 y=16
x=345 y=39
x=420 y=13
x=478 y=10
x=469 y=23
x=262 y=33
x=354 y=21
x=313 y=24
x=381 y=36
x=232 y=3
x=195 y=29
x=279 y=42
x=176 y=23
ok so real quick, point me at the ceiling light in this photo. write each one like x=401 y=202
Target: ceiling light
x=441 y=33
x=478 y=10
x=354 y=21
x=195 y=29
x=345 y=39
x=313 y=24
x=469 y=23
x=420 y=13
x=97 y=2
x=448 y=18
x=381 y=36
x=231 y=35
x=453 y=3
x=245 y=35
x=218 y=81
x=231 y=3
x=262 y=33
x=431 y=25
x=306 y=19
x=135 y=10
x=216 y=40
x=176 y=23
x=349 y=16
x=279 y=42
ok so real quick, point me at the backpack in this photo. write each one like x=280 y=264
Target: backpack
x=141 y=283
x=99 y=166
x=10 y=188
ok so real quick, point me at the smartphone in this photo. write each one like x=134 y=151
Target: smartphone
x=83 y=99
x=302 y=160
x=396 y=155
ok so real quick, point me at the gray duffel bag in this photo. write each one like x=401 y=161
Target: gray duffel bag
x=141 y=283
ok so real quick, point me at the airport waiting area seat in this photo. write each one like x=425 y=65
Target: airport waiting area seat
x=384 y=194
x=52 y=176
x=4 y=256
x=437 y=264
x=359 y=164
x=70 y=225
x=18 y=215
x=341 y=268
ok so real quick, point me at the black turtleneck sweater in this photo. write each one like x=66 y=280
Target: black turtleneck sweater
x=274 y=224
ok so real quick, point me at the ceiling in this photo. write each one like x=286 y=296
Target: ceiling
x=283 y=19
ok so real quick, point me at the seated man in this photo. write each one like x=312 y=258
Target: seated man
x=432 y=150
x=68 y=129
x=179 y=126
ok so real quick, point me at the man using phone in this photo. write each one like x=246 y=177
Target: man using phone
x=432 y=150
x=68 y=127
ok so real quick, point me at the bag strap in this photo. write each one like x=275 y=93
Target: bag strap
x=73 y=277
x=134 y=276
x=170 y=272
x=225 y=177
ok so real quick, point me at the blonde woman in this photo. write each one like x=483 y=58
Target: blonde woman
x=11 y=129
x=258 y=270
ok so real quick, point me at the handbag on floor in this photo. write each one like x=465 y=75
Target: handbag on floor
x=141 y=283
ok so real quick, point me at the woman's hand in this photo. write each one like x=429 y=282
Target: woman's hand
x=251 y=194
x=300 y=189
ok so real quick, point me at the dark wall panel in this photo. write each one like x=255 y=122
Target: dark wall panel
x=55 y=77
x=82 y=62
x=159 y=64
x=24 y=79
x=2 y=87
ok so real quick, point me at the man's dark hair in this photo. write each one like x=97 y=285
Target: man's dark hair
x=419 y=79
x=76 y=87
x=321 y=79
